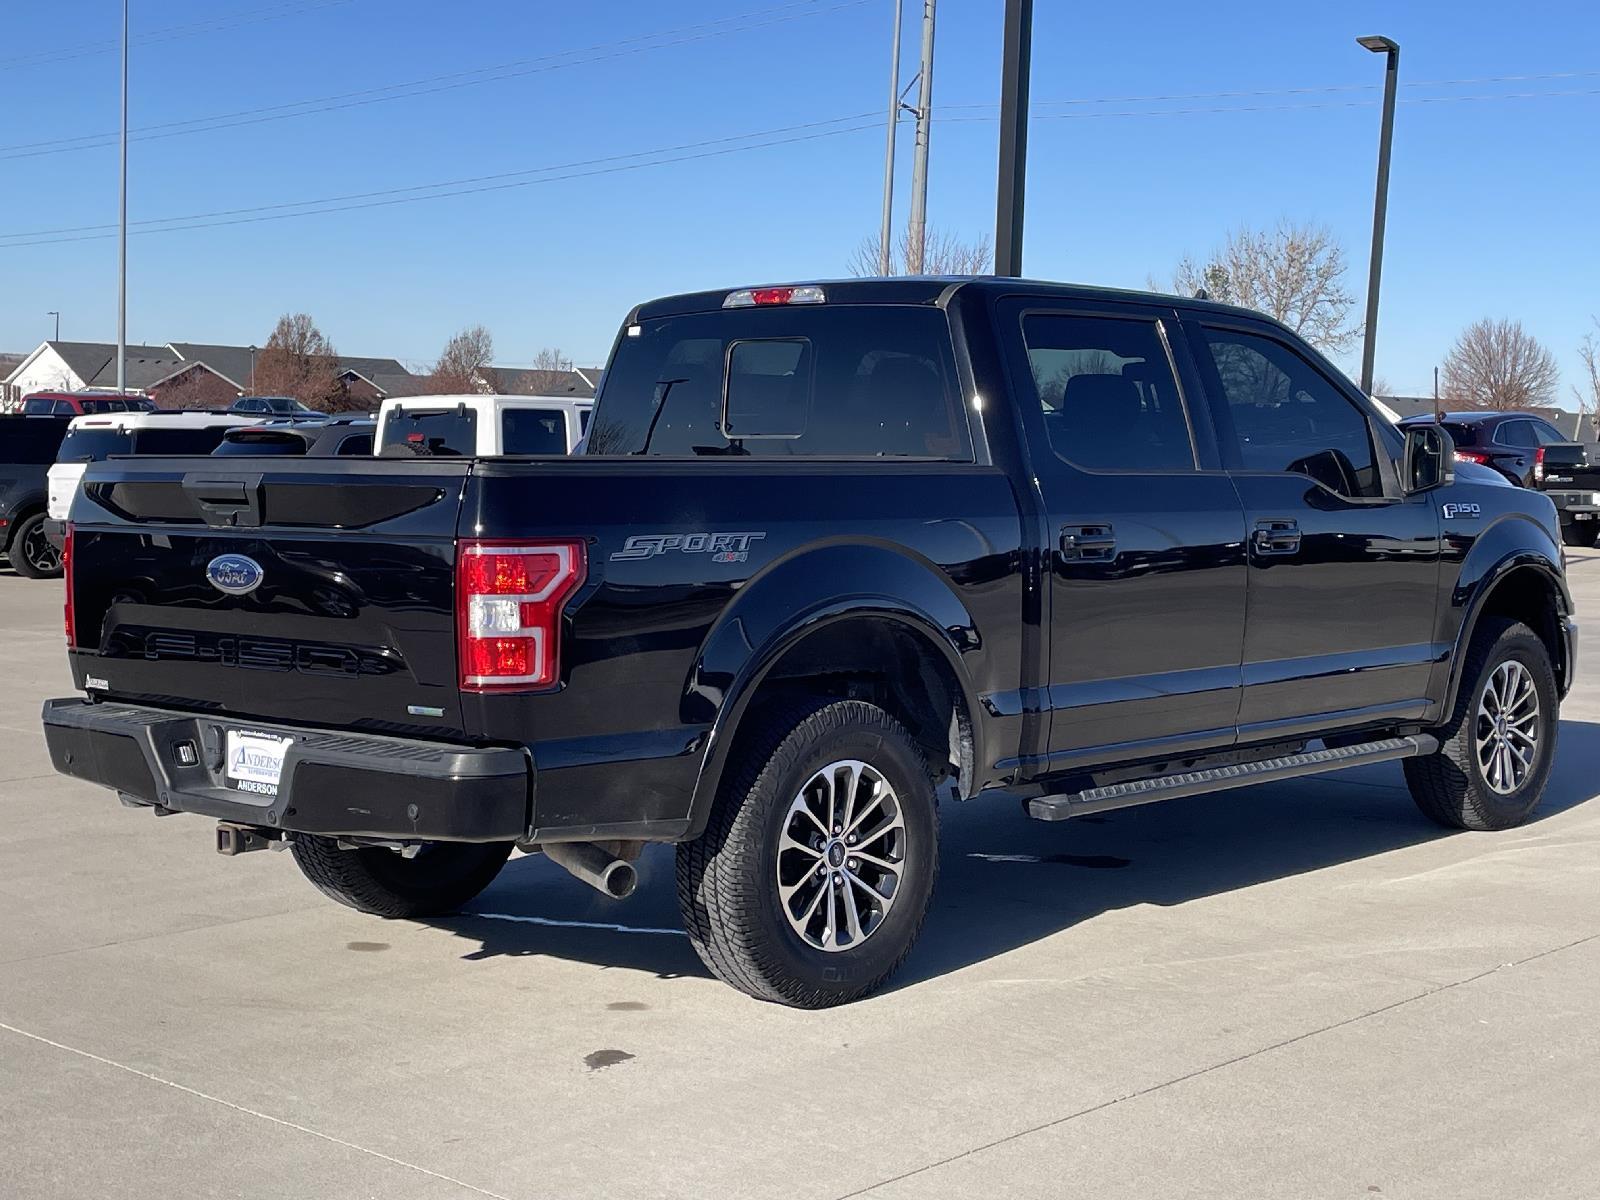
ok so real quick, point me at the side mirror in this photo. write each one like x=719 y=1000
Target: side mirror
x=1428 y=461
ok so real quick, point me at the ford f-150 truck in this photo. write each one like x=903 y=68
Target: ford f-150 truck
x=835 y=553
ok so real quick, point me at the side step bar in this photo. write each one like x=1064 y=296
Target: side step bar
x=1217 y=779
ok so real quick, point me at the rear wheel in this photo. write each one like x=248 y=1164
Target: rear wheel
x=811 y=881
x=439 y=879
x=1494 y=757
x=33 y=555
x=1578 y=534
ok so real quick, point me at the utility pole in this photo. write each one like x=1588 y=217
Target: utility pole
x=885 y=236
x=1009 y=195
x=122 y=224
x=1380 y=205
x=917 y=241
x=57 y=316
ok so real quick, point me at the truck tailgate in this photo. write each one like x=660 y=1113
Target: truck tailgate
x=315 y=591
x=1568 y=467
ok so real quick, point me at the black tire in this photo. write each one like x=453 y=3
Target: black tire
x=1578 y=535
x=440 y=879
x=1450 y=786
x=728 y=877
x=32 y=554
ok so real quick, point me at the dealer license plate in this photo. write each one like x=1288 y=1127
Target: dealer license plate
x=255 y=760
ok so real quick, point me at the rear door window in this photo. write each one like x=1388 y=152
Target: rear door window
x=533 y=431
x=442 y=432
x=261 y=442
x=1107 y=392
x=844 y=381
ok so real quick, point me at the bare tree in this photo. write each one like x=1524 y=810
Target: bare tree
x=298 y=360
x=1499 y=365
x=551 y=373
x=1587 y=393
x=943 y=253
x=461 y=362
x=1293 y=273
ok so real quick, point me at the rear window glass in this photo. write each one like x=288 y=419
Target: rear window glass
x=1461 y=433
x=841 y=381
x=438 y=431
x=178 y=441
x=93 y=445
x=533 y=431
x=261 y=443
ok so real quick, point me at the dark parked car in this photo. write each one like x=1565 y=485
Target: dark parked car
x=1518 y=446
x=837 y=553
x=1507 y=442
x=28 y=447
x=339 y=436
x=282 y=406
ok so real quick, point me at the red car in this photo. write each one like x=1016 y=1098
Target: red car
x=75 y=404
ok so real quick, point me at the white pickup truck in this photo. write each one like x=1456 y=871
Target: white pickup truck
x=97 y=437
x=481 y=426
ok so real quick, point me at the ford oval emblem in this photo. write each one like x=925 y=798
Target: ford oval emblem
x=234 y=574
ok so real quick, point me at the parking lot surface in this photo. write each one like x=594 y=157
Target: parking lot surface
x=1297 y=990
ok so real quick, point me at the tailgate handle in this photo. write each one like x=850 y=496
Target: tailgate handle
x=232 y=503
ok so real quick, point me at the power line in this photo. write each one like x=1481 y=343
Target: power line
x=451 y=81
x=613 y=164
x=1289 y=91
x=169 y=33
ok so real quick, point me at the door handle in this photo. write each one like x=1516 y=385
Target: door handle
x=1276 y=537
x=1088 y=543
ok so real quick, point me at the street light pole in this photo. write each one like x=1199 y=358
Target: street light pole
x=1009 y=195
x=57 y=316
x=1380 y=204
x=884 y=234
x=122 y=223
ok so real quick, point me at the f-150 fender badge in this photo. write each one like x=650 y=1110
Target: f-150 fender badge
x=1470 y=511
x=722 y=547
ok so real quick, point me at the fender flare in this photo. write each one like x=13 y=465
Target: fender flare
x=795 y=598
x=1481 y=588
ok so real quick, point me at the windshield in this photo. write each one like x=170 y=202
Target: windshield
x=431 y=431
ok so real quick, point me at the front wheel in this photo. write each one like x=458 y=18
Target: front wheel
x=33 y=555
x=1494 y=757
x=439 y=879
x=811 y=881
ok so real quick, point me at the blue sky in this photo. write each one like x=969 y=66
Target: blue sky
x=1492 y=212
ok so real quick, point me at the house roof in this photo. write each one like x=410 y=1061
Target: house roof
x=88 y=360
x=530 y=381
x=399 y=385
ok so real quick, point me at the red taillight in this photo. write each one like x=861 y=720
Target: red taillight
x=807 y=293
x=66 y=576
x=1472 y=456
x=509 y=597
x=1538 y=465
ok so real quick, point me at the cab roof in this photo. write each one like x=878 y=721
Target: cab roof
x=929 y=290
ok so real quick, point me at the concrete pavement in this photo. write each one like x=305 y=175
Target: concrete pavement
x=1299 y=990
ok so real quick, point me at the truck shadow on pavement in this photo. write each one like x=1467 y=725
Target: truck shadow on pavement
x=1006 y=881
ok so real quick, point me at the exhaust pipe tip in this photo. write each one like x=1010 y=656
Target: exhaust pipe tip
x=620 y=879
x=599 y=868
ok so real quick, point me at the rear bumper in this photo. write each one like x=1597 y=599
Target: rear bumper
x=334 y=784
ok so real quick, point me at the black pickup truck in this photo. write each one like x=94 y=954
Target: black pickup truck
x=836 y=552
x=28 y=446
x=1570 y=476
